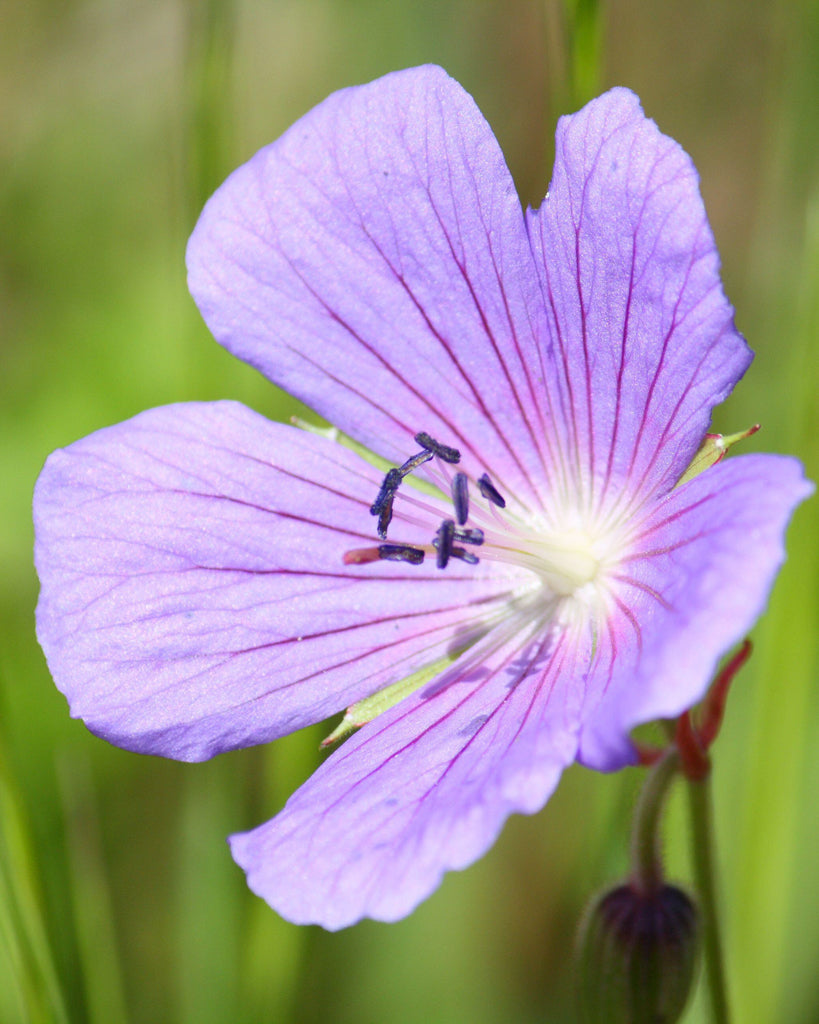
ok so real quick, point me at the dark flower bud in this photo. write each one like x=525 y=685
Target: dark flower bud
x=637 y=955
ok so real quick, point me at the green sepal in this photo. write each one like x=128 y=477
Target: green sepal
x=366 y=710
x=712 y=449
x=334 y=434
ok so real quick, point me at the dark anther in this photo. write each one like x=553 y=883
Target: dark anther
x=382 y=506
x=464 y=555
x=388 y=488
x=385 y=518
x=415 y=462
x=460 y=497
x=490 y=492
x=443 y=542
x=400 y=553
x=468 y=536
x=443 y=451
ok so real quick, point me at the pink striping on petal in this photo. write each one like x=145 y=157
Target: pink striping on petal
x=194 y=595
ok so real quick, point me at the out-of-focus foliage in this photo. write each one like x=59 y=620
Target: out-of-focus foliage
x=118 y=899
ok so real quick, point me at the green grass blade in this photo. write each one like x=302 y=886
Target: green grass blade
x=29 y=987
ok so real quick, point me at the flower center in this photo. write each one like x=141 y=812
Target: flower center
x=564 y=554
x=565 y=559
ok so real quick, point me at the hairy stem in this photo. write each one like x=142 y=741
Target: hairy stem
x=646 y=855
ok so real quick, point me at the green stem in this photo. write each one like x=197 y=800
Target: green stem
x=584 y=36
x=702 y=834
x=646 y=856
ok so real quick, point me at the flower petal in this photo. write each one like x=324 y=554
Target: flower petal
x=697 y=583
x=631 y=276
x=374 y=262
x=422 y=790
x=194 y=597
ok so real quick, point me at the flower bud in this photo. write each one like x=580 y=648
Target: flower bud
x=637 y=954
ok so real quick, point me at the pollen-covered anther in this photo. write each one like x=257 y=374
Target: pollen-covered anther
x=389 y=486
x=460 y=497
x=443 y=451
x=384 y=553
x=401 y=553
x=443 y=542
x=446 y=548
x=490 y=492
x=415 y=461
x=382 y=506
x=468 y=535
x=463 y=555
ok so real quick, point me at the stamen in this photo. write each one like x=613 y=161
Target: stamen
x=443 y=542
x=382 y=506
x=385 y=518
x=460 y=497
x=571 y=560
x=443 y=451
x=401 y=553
x=388 y=488
x=360 y=556
x=415 y=462
x=468 y=536
x=490 y=492
x=464 y=555
x=448 y=532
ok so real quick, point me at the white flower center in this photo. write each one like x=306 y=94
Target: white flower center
x=573 y=560
x=565 y=560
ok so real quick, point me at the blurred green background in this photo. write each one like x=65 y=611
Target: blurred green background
x=118 y=899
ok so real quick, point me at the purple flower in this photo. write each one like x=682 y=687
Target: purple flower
x=212 y=580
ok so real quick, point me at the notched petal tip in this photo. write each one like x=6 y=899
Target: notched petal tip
x=645 y=333
x=384 y=299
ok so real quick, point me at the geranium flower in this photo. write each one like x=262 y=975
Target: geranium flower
x=212 y=580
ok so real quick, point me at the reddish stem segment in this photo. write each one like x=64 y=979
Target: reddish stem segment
x=694 y=741
x=714 y=706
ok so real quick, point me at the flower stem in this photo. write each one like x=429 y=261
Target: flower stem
x=646 y=861
x=702 y=834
